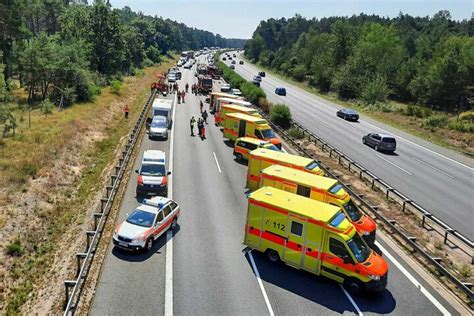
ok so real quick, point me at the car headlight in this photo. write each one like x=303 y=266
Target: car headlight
x=374 y=277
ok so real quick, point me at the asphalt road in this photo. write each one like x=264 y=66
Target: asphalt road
x=211 y=274
x=438 y=179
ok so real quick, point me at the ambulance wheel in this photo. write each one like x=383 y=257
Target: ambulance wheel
x=353 y=285
x=272 y=255
x=149 y=244
x=239 y=157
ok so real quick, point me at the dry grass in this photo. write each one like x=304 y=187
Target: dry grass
x=50 y=177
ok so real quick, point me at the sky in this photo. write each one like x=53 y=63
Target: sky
x=239 y=18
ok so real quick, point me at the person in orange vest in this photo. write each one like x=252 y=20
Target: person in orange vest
x=126 y=110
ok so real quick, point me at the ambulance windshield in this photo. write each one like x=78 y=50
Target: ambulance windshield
x=352 y=210
x=337 y=219
x=359 y=248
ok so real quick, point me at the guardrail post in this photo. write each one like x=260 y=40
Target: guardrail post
x=117 y=169
x=423 y=218
x=404 y=204
x=113 y=178
x=89 y=233
x=362 y=170
x=79 y=256
x=108 y=189
x=103 y=202
x=449 y=230
x=388 y=192
x=96 y=216
x=373 y=182
x=68 y=284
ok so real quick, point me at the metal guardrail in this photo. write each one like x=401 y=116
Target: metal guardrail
x=82 y=271
x=388 y=223
x=375 y=181
x=390 y=191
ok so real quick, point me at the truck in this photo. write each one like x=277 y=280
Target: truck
x=260 y=159
x=322 y=189
x=242 y=125
x=190 y=55
x=163 y=107
x=312 y=236
x=214 y=96
x=204 y=84
x=230 y=105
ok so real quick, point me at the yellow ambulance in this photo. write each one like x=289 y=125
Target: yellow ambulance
x=312 y=236
x=244 y=145
x=213 y=96
x=227 y=108
x=321 y=189
x=260 y=159
x=241 y=125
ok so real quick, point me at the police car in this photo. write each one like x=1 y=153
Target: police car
x=152 y=175
x=146 y=224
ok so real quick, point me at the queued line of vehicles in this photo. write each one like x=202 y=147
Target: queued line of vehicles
x=295 y=214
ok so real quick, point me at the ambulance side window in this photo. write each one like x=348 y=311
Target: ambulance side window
x=258 y=134
x=251 y=146
x=296 y=228
x=338 y=248
x=303 y=191
x=159 y=217
x=167 y=210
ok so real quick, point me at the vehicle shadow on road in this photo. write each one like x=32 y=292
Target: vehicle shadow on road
x=389 y=153
x=229 y=143
x=320 y=290
x=157 y=249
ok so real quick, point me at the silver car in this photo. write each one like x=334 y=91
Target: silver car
x=158 y=127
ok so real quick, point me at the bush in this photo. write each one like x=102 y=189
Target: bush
x=413 y=110
x=462 y=126
x=435 y=121
x=252 y=92
x=467 y=116
x=46 y=107
x=296 y=133
x=380 y=106
x=375 y=91
x=280 y=114
x=299 y=73
x=116 y=86
x=15 y=248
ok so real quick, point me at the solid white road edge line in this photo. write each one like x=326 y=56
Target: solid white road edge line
x=433 y=167
x=260 y=283
x=349 y=297
x=407 y=172
x=217 y=162
x=310 y=96
x=169 y=233
x=412 y=279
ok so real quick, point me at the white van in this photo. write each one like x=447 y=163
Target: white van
x=163 y=107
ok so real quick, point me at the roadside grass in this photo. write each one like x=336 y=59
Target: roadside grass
x=462 y=142
x=32 y=151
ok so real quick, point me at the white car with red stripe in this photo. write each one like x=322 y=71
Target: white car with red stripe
x=146 y=224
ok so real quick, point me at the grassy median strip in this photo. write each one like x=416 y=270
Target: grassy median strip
x=61 y=162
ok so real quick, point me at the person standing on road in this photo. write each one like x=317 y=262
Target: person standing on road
x=201 y=105
x=200 y=125
x=179 y=97
x=126 y=110
x=187 y=87
x=191 y=123
x=183 y=94
x=204 y=116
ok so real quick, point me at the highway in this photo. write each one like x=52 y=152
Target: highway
x=439 y=180
x=202 y=269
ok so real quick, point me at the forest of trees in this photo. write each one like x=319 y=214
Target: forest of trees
x=62 y=49
x=423 y=60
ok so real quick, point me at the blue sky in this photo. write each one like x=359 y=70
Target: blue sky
x=239 y=18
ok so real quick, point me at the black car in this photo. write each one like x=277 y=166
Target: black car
x=241 y=62
x=224 y=59
x=280 y=91
x=262 y=73
x=380 y=142
x=256 y=82
x=348 y=114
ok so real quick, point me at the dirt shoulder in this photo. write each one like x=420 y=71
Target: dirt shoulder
x=51 y=177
